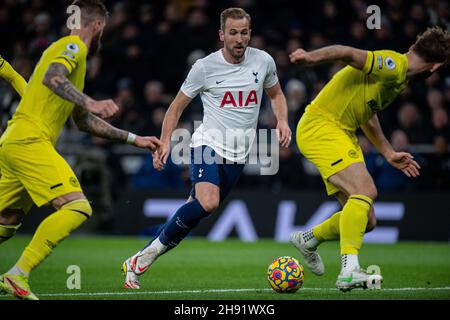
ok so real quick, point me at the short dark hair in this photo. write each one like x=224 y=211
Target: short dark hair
x=91 y=9
x=233 y=13
x=433 y=45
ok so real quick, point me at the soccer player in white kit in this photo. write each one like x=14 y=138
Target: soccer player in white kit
x=230 y=82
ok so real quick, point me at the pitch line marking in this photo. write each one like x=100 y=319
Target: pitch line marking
x=128 y=293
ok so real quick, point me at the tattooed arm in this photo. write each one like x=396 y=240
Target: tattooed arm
x=92 y=124
x=56 y=80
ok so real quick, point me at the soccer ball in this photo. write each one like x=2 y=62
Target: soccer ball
x=285 y=274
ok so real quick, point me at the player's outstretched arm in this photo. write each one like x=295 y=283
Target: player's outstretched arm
x=170 y=122
x=348 y=55
x=279 y=107
x=56 y=80
x=400 y=160
x=8 y=73
x=92 y=124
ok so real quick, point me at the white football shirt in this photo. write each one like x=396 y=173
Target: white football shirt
x=231 y=96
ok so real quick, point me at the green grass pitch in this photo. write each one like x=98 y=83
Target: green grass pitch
x=199 y=269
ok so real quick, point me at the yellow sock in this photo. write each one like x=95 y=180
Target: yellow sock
x=329 y=229
x=353 y=223
x=52 y=231
x=7 y=232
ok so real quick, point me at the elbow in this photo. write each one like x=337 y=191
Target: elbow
x=77 y=123
x=81 y=118
x=81 y=122
x=79 y=126
x=77 y=119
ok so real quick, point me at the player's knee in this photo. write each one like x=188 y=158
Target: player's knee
x=370 y=191
x=81 y=206
x=209 y=202
x=11 y=217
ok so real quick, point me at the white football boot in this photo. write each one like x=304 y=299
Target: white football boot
x=131 y=279
x=136 y=265
x=311 y=257
x=358 y=278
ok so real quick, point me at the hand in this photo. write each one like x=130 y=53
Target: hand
x=300 y=56
x=404 y=162
x=151 y=143
x=161 y=155
x=104 y=108
x=284 y=133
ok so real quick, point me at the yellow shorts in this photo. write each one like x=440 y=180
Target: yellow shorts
x=328 y=146
x=33 y=172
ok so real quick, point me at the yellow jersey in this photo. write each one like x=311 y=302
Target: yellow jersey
x=353 y=96
x=9 y=74
x=41 y=113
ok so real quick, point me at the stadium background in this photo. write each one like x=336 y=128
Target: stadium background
x=148 y=48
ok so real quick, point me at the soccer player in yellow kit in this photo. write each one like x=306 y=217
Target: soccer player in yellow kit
x=9 y=74
x=326 y=136
x=31 y=169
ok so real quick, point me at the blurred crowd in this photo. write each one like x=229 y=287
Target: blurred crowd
x=149 y=46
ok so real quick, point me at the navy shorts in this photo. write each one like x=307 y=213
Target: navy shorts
x=214 y=169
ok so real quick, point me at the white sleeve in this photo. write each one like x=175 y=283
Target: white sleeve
x=195 y=80
x=271 y=76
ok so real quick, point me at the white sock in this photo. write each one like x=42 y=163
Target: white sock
x=16 y=271
x=148 y=254
x=156 y=244
x=349 y=263
x=311 y=242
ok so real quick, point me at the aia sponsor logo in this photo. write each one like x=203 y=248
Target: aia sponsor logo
x=239 y=99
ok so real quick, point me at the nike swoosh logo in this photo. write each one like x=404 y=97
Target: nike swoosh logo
x=141 y=269
x=218 y=82
x=347 y=279
x=17 y=289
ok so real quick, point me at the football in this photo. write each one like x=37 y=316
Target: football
x=285 y=274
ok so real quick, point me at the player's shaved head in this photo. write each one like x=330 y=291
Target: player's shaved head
x=433 y=45
x=91 y=10
x=93 y=20
x=233 y=13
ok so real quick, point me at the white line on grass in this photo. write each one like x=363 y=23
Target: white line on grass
x=129 y=293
